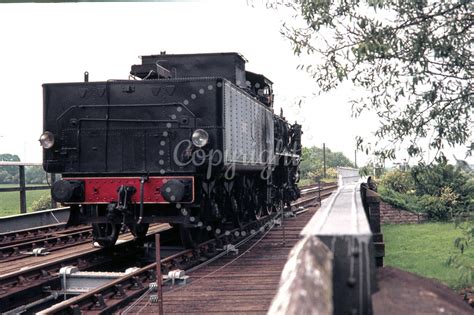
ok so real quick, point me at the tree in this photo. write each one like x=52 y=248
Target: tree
x=9 y=174
x=312 y=163
x=412 y=59
x=35 y=175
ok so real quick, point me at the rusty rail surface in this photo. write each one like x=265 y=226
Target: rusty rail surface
x=244 y=282
x=50 y=242
x=110 y=297
x=14 y=285
x=22 y=285
x=38 y=233
x=119 y=293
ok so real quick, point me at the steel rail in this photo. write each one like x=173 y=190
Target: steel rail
x=115 y=294
x=38 y=234
x=49 y=243
x=13 y=285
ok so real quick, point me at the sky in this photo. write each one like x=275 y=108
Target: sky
x=45 y=43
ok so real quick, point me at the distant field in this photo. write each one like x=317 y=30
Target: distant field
x=423 y=249
x=10 y=201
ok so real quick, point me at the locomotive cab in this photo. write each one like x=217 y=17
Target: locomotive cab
x=261 y=87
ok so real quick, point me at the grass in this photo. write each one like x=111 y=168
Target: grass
x=10 y=201
x=423 y=249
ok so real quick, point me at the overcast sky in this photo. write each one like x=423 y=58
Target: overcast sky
x=43 y=43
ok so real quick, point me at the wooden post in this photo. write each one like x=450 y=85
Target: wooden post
x=373 y=201
x=324 y=160
x=319 y=191
x=306 y=283
x=22 y=189
x=158 y=274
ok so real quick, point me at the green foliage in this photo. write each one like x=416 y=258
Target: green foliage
x=439 y=207
x=403 y=201
x=442 y=191
x=43 y=203
x=423 y=248
x=9 y=174
x=10 y=201
x=398 y=181
x=464 y=244
x=35 y=175
x=412 y=59
x=311 y=166
x=435 y=179
x=375 y=170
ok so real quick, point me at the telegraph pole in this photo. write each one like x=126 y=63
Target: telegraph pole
x=355 y=158
x=324 y=160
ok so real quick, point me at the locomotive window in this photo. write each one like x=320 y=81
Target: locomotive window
x=264 y=92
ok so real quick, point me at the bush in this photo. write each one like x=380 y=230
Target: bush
x=331 y=173
x=398 y=181
x=43 y=203
x=399 y=200
x=432 y=179
x=434 y=207
x=439 y=208
x=442 y=190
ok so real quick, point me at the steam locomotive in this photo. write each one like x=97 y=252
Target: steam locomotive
x=189 y=139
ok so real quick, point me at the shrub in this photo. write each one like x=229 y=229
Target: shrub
x=431 y=179
x=43 y=203
x=331 y=173
x=398 y=181
x=434 y=207
x=399 y=200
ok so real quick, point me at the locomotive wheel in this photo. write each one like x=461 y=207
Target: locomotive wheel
x=257 y=207
x=105 y=234
x=190 y=237
x=258 y=212
x=279 y=206
x=237 y=212
x=268 y=209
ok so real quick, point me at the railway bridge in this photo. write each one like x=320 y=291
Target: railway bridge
x=321 y=256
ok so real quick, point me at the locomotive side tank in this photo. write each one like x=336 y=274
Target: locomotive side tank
x=192 y=140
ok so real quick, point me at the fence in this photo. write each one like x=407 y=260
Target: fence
x=22 y=187
x=331 y=270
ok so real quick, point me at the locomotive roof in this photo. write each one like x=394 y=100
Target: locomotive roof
x=196 y=54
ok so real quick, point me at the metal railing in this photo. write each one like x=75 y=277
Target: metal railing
x=22 y=187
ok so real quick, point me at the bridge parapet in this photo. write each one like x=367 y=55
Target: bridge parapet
x=331 y=270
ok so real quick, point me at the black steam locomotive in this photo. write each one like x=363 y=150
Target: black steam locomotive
x=189 y=139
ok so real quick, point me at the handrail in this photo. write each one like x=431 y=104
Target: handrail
x=22 y=187
x=334 y=261
x=15 y=163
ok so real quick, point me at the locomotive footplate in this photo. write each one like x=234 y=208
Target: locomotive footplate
x=103 y=190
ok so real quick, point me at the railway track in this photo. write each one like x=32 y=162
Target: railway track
x=11 y=238
x=45 y=243
x=311 y=195
x=118 y=294
x=18 y=244
x=23 y=281
x=22 y=286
